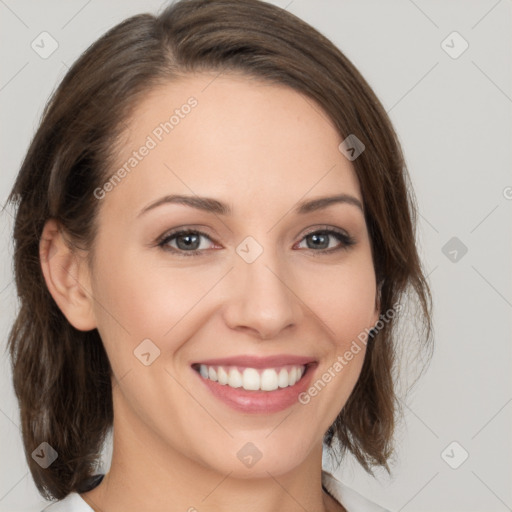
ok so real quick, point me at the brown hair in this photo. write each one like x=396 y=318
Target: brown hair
x=62 y=376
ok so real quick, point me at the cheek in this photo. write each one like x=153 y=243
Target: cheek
x=135 y=301
x=151 y=301
x=346 y=307
x=344 y=298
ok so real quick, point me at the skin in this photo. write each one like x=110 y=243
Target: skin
x=260 y=148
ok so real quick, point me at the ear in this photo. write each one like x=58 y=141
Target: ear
x=67 y=277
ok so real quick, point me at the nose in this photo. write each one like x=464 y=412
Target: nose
x=261 y=298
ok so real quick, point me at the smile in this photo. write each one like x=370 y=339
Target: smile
x=252 y=379
x=256 y=386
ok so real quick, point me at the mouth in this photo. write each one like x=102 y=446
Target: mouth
x=256 y=386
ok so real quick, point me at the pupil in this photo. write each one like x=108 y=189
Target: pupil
x=191 y=240
x=320 y=238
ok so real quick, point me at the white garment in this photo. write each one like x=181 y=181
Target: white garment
x=348 y=497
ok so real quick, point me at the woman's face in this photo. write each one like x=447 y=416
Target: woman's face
x=261 y=274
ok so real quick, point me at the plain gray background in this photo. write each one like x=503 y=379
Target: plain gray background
x=453 y=116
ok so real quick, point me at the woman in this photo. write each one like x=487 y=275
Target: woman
x=214 y=233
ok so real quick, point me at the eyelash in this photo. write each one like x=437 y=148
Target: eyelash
x=346 y=241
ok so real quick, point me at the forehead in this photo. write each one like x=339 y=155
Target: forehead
x=230 y=136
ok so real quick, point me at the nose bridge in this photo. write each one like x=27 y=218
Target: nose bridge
x=261 y=297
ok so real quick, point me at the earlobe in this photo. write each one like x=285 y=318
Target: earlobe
x=67 y=277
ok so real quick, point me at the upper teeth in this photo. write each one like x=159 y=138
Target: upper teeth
x=252 y=379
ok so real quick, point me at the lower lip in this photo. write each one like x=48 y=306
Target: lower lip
x=260 y=402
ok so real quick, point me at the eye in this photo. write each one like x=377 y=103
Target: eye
x=320 y=240
x=187 y=242
x=192 y=242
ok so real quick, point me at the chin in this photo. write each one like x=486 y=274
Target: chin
x=259 y=458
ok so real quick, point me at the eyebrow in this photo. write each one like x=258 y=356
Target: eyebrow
x=210 y=205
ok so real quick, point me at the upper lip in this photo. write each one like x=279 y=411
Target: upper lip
x=259 y=362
